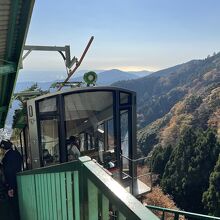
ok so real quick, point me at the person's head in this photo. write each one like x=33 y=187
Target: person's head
x=6 y=145
x=72 y=140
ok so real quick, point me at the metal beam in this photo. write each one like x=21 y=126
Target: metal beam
x=26 y=54
x=45 y=48
x=12 y=29
x=20 y=15
x=7 y=69
x=69 y=62
x=78 y=62
x=28 y=93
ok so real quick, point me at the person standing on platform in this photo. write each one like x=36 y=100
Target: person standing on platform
x=12 y=163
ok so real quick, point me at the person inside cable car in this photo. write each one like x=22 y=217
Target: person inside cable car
x=47 y=158
x=73 y=148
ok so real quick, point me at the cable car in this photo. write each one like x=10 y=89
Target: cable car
x=101 y=121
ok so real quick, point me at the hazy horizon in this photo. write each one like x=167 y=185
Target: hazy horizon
x=52 y=75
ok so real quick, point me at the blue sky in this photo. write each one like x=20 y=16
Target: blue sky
x=129 y=34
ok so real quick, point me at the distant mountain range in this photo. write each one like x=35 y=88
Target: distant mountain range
x=104 y=76
x=111 y=76
x=46 y=78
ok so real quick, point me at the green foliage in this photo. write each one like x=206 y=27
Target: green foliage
x=148 y=137
x=147 y=143
x=19 y=117
x=160 y=158
x=211 y=198
x=192 y=103
x=187 y=172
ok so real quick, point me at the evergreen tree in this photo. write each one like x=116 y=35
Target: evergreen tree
x=187 y=172
x=160 y=158
x=211 y=198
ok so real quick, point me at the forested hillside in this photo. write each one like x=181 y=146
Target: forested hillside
x=179 y=124
x=159 y=92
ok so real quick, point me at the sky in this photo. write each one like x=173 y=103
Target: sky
x=129 y=35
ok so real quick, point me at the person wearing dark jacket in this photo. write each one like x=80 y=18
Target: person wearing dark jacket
x=12 y=163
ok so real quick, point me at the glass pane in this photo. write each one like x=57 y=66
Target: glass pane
x=85 y=116
x=124 y=98
x=100 y=137
x=48 y=105
x=49 y=141
x=82 y=142
x=125 y=142
x=110 y=135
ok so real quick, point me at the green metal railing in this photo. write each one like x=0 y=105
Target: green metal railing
x=76 y=190
x=177 y=214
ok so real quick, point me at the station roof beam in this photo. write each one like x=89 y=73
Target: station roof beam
x=15 y=17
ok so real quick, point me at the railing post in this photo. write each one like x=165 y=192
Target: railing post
x=92 y=200
x=83 y=189
x=105 y=207
x=76 y=194
x=176 y=216
x=163 y=216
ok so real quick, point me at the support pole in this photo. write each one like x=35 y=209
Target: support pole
x=78 y=63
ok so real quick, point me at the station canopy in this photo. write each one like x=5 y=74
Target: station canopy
x=15 y=17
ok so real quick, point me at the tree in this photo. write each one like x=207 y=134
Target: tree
x=187 y=172
x=160 y=158
x=211 y=198
x=20 y=114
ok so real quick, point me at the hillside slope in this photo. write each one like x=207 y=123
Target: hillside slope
x=196 y=110
x=160 y=91
x=184 y=140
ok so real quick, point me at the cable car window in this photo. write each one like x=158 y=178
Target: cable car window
x=86 y=142
x=48 y=105
x=110 y=135
x=85 y=116
x=90 y=140
x=101 y=140
x=124 y=98
x=125 y=142
x=82 y=142
x=49 y=141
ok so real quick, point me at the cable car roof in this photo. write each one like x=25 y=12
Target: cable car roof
x=15 y=17
x=85 y=89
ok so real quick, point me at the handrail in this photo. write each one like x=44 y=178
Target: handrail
x=133 y=178
x=178 y=213
x=135 y=160
x=76 y=190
